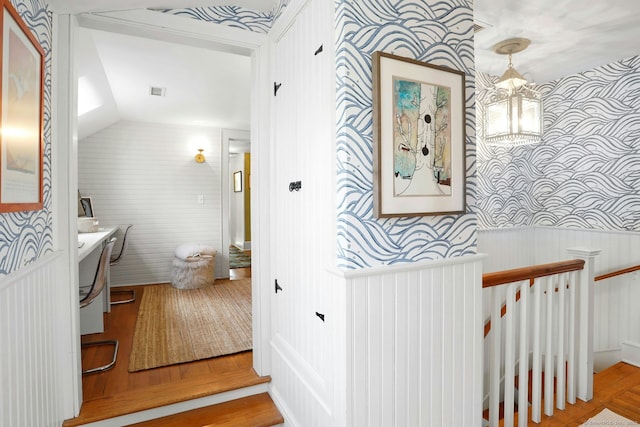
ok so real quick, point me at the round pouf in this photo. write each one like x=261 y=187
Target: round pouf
x=193 y=266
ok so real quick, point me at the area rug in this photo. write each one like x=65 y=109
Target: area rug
x=608 y=418
x=183 y=325
x=238 y=259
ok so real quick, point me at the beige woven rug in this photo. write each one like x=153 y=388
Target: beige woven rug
x=183 y=325
x=608 y=418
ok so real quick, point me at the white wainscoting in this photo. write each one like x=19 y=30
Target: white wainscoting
x=507 y=248
x=414 y=344
x=616 y=314
x=30 y=386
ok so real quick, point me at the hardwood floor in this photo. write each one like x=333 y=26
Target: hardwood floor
x=117 y=392
x=616 y=388
x=254 y=411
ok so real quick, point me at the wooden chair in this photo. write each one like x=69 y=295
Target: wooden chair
x=89 y=293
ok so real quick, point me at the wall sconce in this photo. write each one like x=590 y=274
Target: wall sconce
x=200 y=157
x=513 y=115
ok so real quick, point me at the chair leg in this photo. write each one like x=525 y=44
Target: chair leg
x=109 y=365
x=125 y=291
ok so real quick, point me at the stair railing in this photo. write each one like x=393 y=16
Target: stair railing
x=541 y=324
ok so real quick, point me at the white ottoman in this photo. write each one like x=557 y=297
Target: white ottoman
x=193 y=266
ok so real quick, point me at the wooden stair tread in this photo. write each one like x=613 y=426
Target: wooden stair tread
x=256 y=411
x=162 y=395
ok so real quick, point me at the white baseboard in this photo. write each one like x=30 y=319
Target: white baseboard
x=602 y=359
x=631 y=353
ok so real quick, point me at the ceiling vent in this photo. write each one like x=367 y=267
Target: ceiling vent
x=157 y=91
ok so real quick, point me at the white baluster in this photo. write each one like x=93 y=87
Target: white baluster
x=509 y=356
x=523 y=370
x=571 y=356
x=536 y=378
x=548 y=353
x=560 y=366
x=494 y=358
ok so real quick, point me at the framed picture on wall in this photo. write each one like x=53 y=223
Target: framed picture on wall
x=21 y=97
x=87 y=207
x=419 y=138
x=237 y=181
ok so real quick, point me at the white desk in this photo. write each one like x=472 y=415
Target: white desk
x=91 y=316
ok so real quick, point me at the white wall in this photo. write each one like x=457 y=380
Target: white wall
x=145 y=174
x=236 y=201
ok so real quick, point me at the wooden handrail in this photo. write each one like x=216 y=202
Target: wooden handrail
x=526 y=273
x=617 y=273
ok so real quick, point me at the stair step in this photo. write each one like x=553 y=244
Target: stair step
x=163 y=395
x=256 y=411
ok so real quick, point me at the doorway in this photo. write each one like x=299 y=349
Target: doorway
x=144 y=25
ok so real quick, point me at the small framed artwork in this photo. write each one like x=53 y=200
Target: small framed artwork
x=237 y=181
x=419 y=138
x=87 y=207
x=21 y=119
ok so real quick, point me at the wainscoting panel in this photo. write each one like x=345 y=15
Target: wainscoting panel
x=508 y=248
x=414 y=340
x=30 y=390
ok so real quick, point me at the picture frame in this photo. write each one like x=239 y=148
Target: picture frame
x=237 y=181
x=418 y=138
x=21 y=106
x=87 y=207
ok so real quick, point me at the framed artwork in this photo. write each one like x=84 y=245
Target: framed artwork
x=419 y=138
x=87 y=207
x=237 y=181
x=21 y=119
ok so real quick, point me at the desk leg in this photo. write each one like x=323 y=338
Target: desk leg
x=91 y=318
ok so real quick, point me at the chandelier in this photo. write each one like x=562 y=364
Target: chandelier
x=513 y=115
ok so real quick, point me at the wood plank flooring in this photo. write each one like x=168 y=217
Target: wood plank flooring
x=118 y=392
x=254 y=411
x=616 y=388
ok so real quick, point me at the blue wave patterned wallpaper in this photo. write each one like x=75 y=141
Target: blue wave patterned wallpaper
x=26 y=236
x=586 y=172
x=438 y=32
x=234 y=16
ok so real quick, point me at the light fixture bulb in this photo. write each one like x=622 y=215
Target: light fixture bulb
x=200 y=157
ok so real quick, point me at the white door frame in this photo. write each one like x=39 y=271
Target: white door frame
x=146 y=23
